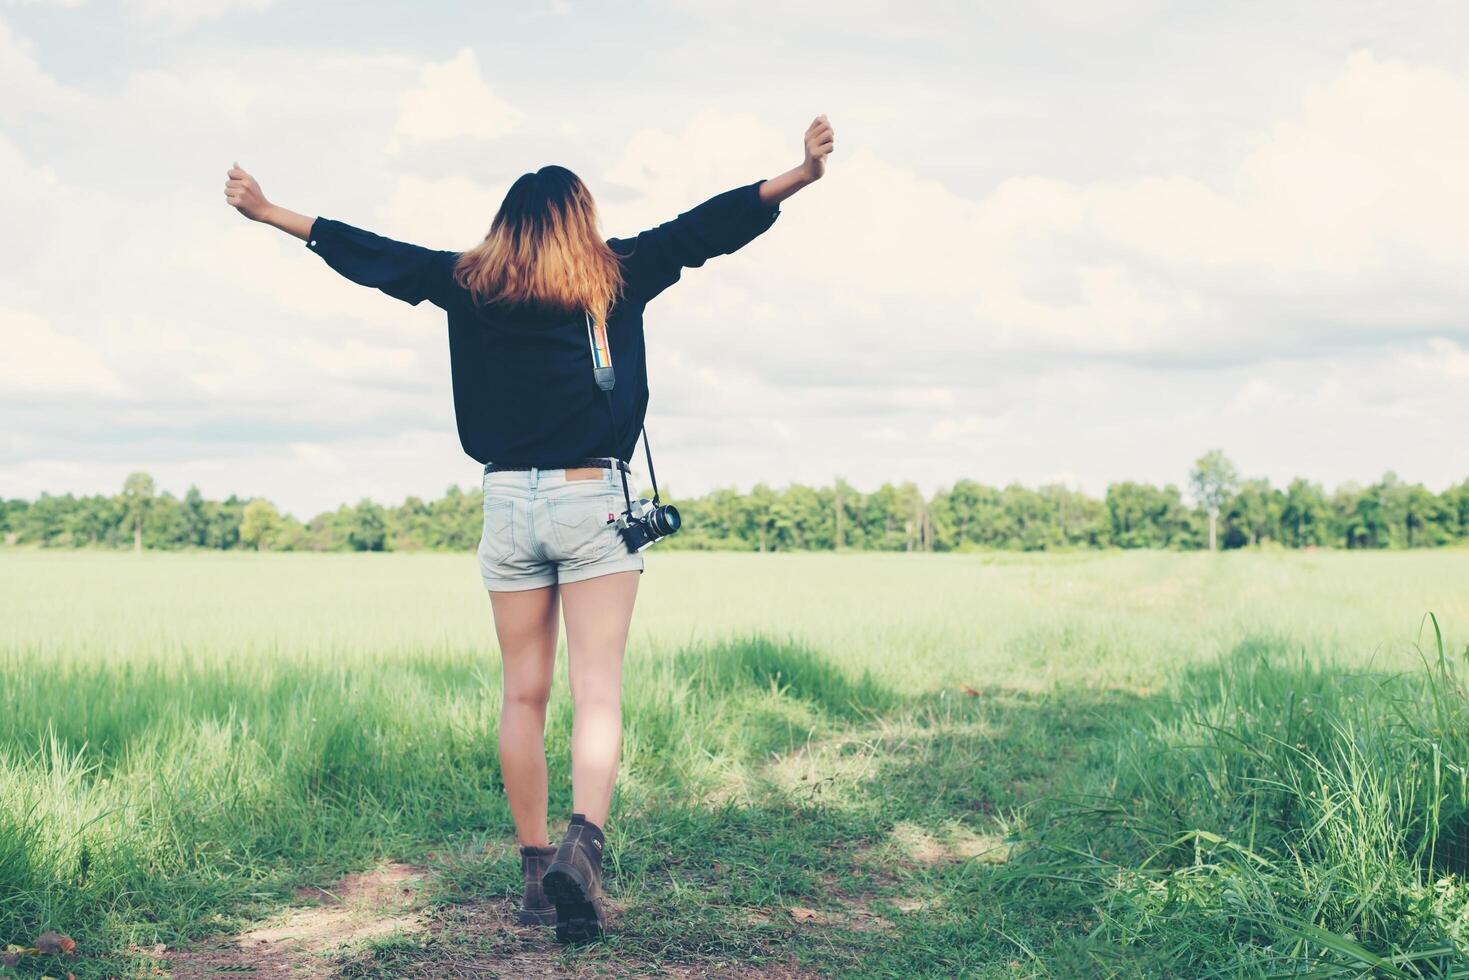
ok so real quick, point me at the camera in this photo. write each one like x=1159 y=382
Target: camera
x=646 y=523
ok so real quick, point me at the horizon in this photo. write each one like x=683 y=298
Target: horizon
x=673 y=494
x=1067 y=244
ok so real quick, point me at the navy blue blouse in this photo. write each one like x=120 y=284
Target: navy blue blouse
x=523 y=388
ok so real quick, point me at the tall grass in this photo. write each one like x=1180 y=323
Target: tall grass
x=135 y=793
x=1278 y=817
x=1277 y=789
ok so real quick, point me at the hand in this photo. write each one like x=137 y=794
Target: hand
x=820 y=141
x=243 y=194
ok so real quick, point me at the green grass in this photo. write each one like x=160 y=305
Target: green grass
x=1177 y=765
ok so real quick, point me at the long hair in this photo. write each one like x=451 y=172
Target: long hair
x=544 y=248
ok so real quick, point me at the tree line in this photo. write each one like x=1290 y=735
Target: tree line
x=1221 y=510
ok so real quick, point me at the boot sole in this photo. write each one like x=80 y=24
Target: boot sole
x=538 y=917
x=579 y=917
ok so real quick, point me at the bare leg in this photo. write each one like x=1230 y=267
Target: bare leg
x=598 y=612
x=525 y=623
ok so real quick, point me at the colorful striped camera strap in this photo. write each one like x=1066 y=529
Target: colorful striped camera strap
x=601 y=354
x=606 y=380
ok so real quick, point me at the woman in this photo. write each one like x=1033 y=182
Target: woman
x=519 y=305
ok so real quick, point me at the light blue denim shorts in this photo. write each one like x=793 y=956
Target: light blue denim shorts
x=542 y=529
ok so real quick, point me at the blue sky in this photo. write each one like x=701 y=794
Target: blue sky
x=1059 y=241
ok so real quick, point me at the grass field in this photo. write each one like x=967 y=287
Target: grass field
x=1119 y=764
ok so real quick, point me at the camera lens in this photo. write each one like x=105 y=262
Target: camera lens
x=665 y=520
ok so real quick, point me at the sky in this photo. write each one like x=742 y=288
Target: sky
x=1074 y=242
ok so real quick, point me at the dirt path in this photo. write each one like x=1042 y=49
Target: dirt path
x=334 y=930
x=304 y=940
x=842 y=898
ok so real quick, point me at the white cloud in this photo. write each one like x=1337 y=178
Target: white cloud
x=1347 y=214
x=45 y=3
x=355 y=360
x=1366 y=174
x=1442 y=361
x=28 y=88
x=179 y=15
x=38 y=359
x=449 y=213
x=32 y=199
x=714 y=149
x=452 y=101
x=1343 y=225
x=971 y=431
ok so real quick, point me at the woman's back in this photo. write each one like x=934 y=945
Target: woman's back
x=522 y=373
x=523 y=388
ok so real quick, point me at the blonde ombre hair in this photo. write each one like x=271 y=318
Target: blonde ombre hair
x=544 y=248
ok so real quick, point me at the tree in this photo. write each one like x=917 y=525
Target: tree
x=91 y=519
x=1456 y=503
x=803 y=519
x=196 y=518
x=758 y=516
x=966 y=516
x=260 y=525
x=366 y=528
x=222 y=522
x=1346 y=510
x=890 y=517
x=459 y=517
x=411 y=526
x=1030 y=520
x=1305 y=520
x=1253 y=514
x=1213 y=480
x=137 y=490
x=1143 y=516
x=907 y=500
x=1380 y=519
x=168 y=524
x=10 y=519
x=1080 y=520
x=843 y=499
x=1428 y=520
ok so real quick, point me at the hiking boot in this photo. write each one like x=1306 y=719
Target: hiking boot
x=573 y=883
x=536 y=909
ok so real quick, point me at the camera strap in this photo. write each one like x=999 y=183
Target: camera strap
x=606 y=379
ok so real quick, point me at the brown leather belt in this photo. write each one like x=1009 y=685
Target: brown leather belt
x=591 y=462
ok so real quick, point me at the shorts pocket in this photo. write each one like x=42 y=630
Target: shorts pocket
x=579 y=526
x=497 y=542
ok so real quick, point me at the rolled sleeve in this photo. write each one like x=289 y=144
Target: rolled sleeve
x=725 y=223
x=407 y=272
x=759 y=210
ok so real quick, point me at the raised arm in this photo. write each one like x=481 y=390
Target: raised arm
x=403 y=271
x=244 y=195
x=655 y=259
x=820 y=141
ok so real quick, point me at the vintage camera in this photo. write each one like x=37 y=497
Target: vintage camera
x=647 y=523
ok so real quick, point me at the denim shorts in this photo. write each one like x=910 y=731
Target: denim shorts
x=542 y=529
